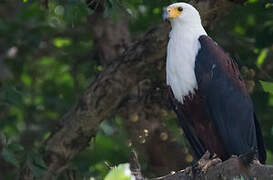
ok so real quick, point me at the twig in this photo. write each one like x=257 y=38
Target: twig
x=135 y=166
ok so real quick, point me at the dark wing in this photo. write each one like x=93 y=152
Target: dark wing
x=189 y=132
x=261 y=147
x=228 y=103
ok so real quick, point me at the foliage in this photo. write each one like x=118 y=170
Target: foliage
x=268 y=87
x=8 y=153
x=122 y=172
x=50 y=54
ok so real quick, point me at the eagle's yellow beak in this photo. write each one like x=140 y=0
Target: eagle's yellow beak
x=172 y=12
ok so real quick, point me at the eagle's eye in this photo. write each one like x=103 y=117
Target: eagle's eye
x=180 y=9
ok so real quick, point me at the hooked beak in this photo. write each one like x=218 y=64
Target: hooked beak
x=165 y=14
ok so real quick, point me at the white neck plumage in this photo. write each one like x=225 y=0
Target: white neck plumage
x=182 y=50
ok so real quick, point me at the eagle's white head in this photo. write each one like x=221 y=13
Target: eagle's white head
x=183 y=47
x=182 y=14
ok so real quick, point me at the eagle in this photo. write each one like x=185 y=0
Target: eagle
x=207 y=92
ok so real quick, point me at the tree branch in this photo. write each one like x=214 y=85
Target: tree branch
x=206 y=168
x=101 y=99
x=229 y=169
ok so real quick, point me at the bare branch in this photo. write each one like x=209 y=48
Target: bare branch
x=232 y=168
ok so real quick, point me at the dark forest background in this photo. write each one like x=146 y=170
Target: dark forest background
x=51 y=52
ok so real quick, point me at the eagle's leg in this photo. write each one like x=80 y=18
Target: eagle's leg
x=206 y=162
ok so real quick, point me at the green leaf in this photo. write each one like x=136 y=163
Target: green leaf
x=239 y=30
x=99 y=68
x=37 y=171
x=252 y=1
x=11 y=96
x=15 y=147
x=268 y=5
x=47 y=135
x=269 y=156
x=26 y=79
x=9 y=156
x=261 y=57
x=122 y=172
x=46 y=61
x=36 y=164
x=267 y=86
x=62 y=42
x=156 y=11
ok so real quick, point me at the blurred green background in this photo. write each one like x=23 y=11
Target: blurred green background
x=47 y=60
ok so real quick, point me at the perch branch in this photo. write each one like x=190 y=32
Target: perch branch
x=233 y=168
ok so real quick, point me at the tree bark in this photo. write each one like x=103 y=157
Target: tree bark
x=242 y=167
x=229 y=169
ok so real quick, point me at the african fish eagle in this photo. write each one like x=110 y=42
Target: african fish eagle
x=207 y=92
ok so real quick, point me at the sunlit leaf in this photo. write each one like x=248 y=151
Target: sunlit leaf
x=156 y=10
x=62 y=42
x=46 y=61
x=267 y=86
x=239 y=30
x=47 y=135
x=99 y=68
x=268 y=5
x=261 y=57
x=253 y=1
x=269 y=155
x=122 y=172
x=26 y=79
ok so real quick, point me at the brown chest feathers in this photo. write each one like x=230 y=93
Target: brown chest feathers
x=198 y=120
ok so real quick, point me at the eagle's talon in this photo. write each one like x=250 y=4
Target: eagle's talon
x=210 y=163
x=206 y=156
x=206 y=162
